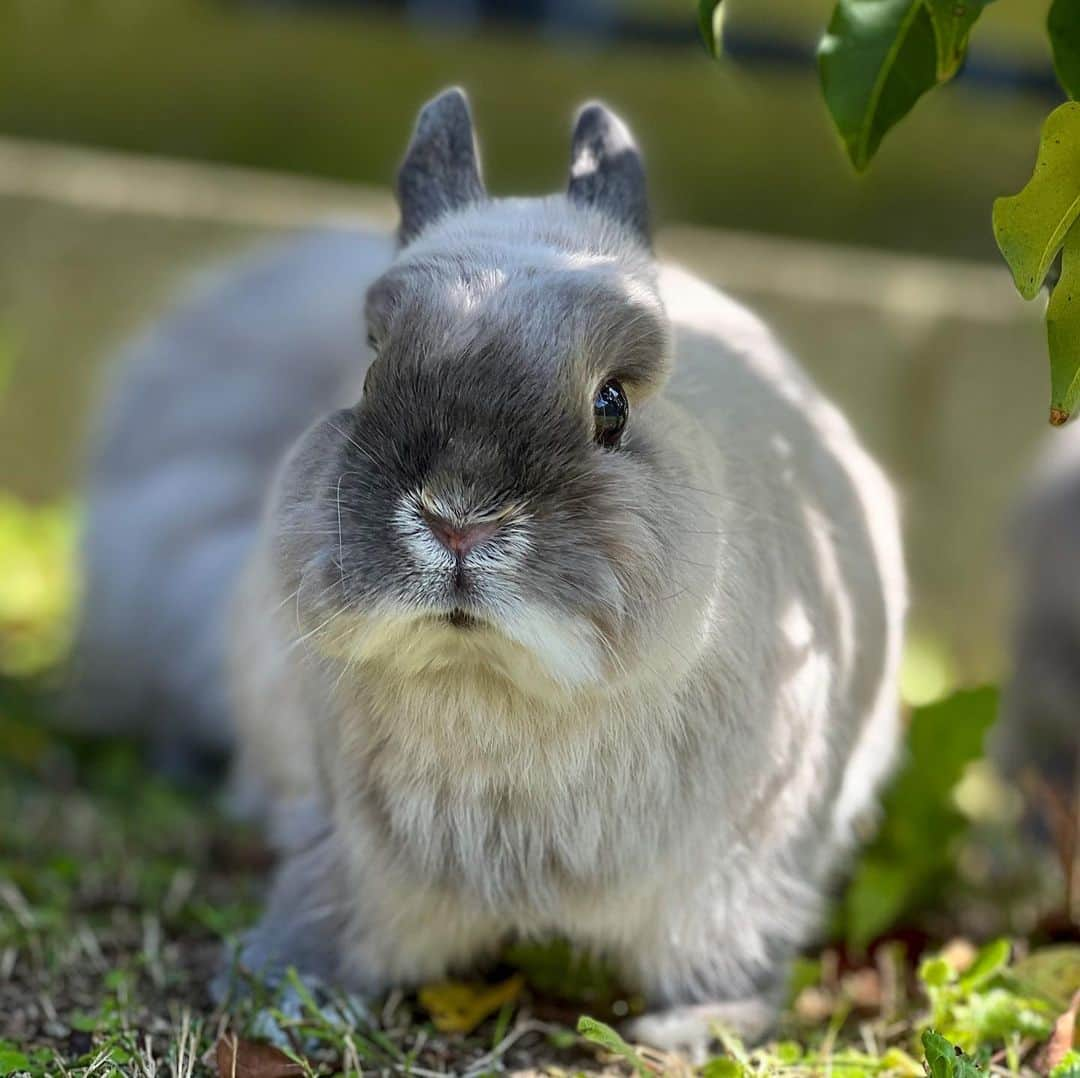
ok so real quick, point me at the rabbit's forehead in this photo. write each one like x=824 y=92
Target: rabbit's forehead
x=557 y=317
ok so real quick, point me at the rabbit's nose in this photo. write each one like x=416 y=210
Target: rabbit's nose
x=459 y=539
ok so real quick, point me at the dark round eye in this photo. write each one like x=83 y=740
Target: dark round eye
x=610 y=410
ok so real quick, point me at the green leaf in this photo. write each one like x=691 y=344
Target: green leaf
x=606 y=1037
x=998 y=1014
x=1063 y=26
x=1030 y=227
x=943 y=1060
x=722 y=1067
x=990 y=961
x=557 y=969
x=897 y=1061
x=788 y=1052
x=1069 y=1067
x=953 y=20
x=936 y=972
x=913 y=856
x=1063 y=332
x=11 y=1059
x=877 y=58
x=878 y=895
x=710 y=15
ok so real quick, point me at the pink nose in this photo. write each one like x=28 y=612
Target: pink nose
x=459 y=540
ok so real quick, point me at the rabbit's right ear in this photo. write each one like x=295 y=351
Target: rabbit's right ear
x=606 y=170
x=441 y=170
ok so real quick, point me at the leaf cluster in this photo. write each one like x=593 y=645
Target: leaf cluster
x=878 y=58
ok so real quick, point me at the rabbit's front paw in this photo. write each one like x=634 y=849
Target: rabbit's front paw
x=691 y=1030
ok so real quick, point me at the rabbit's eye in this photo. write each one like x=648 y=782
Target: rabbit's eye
x=610 y=410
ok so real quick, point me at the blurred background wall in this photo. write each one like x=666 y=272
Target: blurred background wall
x=122 y=124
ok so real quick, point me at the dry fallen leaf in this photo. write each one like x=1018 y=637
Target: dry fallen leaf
x=1061 y=1040
x=459 y=1006
x=814 y=1005
x=239 y=1058
x=863 y=988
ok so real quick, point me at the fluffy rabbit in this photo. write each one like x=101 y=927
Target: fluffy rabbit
x=581 y=618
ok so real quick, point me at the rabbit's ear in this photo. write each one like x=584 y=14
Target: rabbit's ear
x=606 y=169
x=441 y=170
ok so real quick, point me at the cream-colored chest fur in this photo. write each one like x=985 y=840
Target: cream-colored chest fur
x=518 y=805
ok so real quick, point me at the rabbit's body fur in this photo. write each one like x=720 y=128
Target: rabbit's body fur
x=661 y=745
x=197 y=416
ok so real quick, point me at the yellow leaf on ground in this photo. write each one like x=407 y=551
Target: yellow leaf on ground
x=460 y=1006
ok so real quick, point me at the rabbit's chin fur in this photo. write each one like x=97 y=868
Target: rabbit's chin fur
x=532 y=652
x=675 y=696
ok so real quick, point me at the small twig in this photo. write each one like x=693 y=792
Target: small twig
x=1063 y=821
x=529 y=1025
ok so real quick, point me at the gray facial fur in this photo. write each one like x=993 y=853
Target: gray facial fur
x=646 y=713
x=441 y=170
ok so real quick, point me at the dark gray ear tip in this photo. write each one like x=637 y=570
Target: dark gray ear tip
x=606 y=169
x=446 y=116
x=596 y=124
x=441 y=169
x=451 y=107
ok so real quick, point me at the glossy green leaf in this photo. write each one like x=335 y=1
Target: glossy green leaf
x=953 y=20
x=877 y=58
x=710 y=20
x=1063 y=26
x=943 y=1060
x=1031 y=227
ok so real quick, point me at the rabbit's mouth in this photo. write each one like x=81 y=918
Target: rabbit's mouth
x=528 y=646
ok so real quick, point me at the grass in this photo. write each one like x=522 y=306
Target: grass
x=119 y=892
x=120 y=895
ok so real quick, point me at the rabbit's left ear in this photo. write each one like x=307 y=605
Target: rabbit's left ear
x=606 y=169
x=441 y=170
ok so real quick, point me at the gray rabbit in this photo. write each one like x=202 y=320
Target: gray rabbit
x=565 y=606
x=1038 y=736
